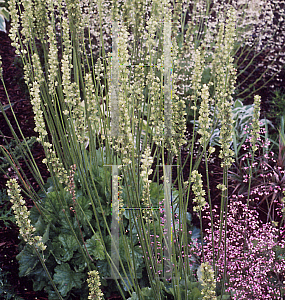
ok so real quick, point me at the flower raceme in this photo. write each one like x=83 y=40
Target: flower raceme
x=208 y=280
x=22 y=215
x=94 y=283
x=147 y=161
x=204 y=119
x=198 y=191
x=226 y=77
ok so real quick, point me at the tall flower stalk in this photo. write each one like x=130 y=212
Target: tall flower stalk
x=225 y=74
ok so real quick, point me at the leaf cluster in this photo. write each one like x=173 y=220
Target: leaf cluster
x=68 y=247
x=63 y=257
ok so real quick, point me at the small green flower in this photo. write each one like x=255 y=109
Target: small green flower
x=56 y=166
x=196 y=80
x=40 y=126
x=221 y=187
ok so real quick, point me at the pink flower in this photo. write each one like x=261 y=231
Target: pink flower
x=250 y=253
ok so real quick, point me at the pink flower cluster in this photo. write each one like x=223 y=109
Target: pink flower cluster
x=253 y=270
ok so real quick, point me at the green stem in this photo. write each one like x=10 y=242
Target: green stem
x=47 y=272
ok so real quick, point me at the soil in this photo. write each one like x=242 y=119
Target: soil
x=23 y=110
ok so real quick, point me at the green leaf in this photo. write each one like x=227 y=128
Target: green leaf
x=103 y=268
x=188 y=217
x=195 y=294
x=45 y=237
x=238 y=103
x=66 y=279
x=6 y=212
x=40 y=225
x=64 y=247
x=133 y=255
x=28 y=260
x=148 y=293
x=52 y=295
x=49 y=185
x=95 y=247
x=196 y=233
x=126 y=283
x=139 y=261
x=5 y=13
x=53 y=209
x=68 y=241
x=82 y=293
x=41 y=280
x=83 y=210
x=279 y=252
x=225 y=296
x=78 y=262
x=29 y=265
x=65 y=226
x=156 y=193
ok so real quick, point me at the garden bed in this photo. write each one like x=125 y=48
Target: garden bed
x=23 y=110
